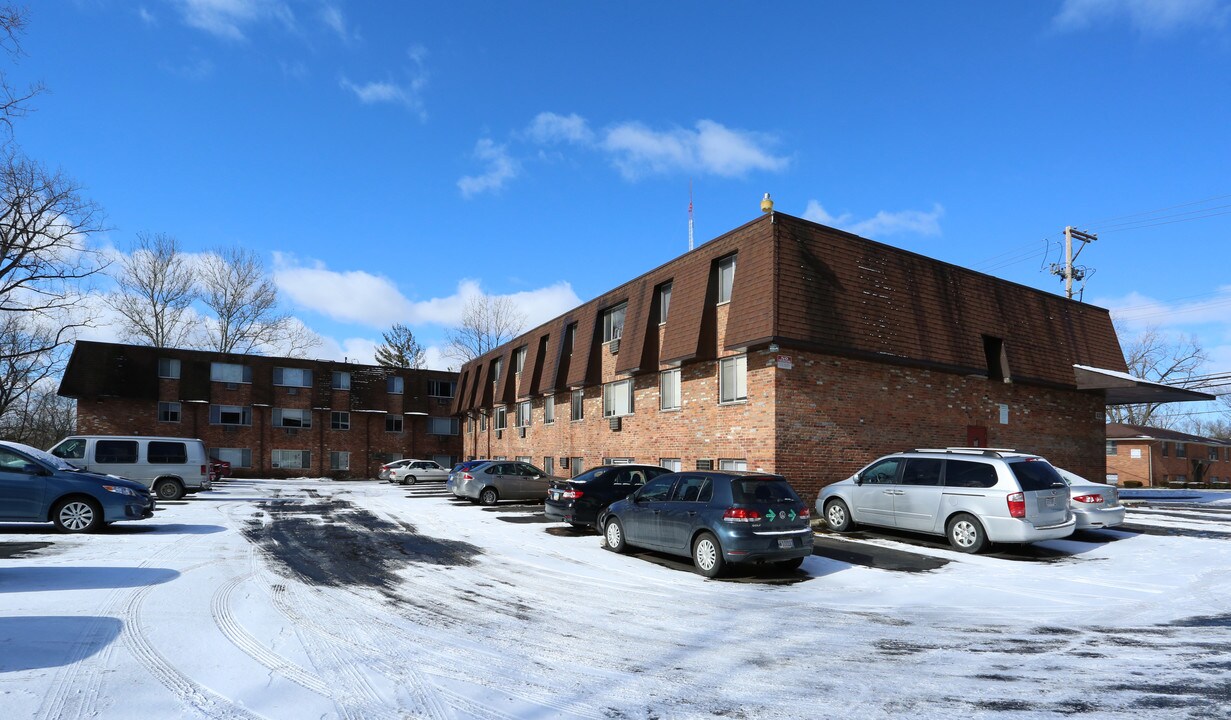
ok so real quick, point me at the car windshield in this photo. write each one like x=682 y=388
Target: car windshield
x=1036 y=475
x=762 y=490
x=593 y=474
x=43 y=456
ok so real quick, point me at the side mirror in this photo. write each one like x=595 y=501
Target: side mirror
x=858 y=479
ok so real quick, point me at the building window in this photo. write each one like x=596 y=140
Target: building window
x=726 y=279
x=664 y=302
x=549 y=465
x=549 y=410
x=524 y=459
x=442 y=426
x=523 y=414
x=292 y=418
x=339 y=420
x=1213 y=454
x=238 y=457
x=339 y=460
x=1166 y=449
x=732 y=464
x=395 y=385
x=482 y=423
x=1181 y=450
x=578 y=405
x=441 y=388
x=502 y=418
x=519 y=360
x=393 y=423
x=230 y=373
x=613 y=322
x=168 y=368
x=733 y=379
x=618 y=460
x=669 y=390
x=292 y=377
x=497 y=367
x=292 y=459
x=230 y=415
x=168 y=412
x=672 y=464
x=576 y=466
x=340 y=380
x=1111 y=448
x=618 y=398
x=705 y=464
x=1113 y=479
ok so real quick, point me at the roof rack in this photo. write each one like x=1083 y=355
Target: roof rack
x=987 y=452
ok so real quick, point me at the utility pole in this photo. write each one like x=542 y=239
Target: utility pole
x=1067 y=271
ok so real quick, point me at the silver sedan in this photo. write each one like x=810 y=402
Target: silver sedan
x=1095 y=505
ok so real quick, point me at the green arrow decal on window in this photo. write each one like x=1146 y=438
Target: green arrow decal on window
x=770 y=515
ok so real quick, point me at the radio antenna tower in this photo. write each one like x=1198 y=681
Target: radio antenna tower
x=690 y=214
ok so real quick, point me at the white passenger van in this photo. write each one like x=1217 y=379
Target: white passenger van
x=169 y=466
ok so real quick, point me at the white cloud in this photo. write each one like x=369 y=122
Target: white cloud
x=332 y=17
x=918 y=222
x=711 y=148
x=500 y=169
x=228 y=18
x=1137 y=311
x=407 y=92
x=548 y=128
x=147 y=17
x=1148 y=16
x=365 y=299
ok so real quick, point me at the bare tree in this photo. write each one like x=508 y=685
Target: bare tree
x=40 y=418
x=13 y=102
x=244 y=300
x=157 y=288
x=1153 y=355
x=400 y=349
x=487 y=322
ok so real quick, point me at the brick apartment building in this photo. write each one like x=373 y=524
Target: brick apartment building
x=1139 y=456
x=792 y=347
x=267 y=416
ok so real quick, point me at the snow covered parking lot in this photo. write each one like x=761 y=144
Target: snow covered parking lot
x=309 y=598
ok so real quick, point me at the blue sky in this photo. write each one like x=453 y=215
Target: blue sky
x=389 y=158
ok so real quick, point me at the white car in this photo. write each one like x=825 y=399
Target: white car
x=387 y=469
x=1093 y=504
x=418 y=471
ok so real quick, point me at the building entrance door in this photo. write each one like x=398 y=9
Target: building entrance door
x=976 y=436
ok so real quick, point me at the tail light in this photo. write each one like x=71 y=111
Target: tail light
x=204 y=469
x=1089 y=498
x=466 y=476
x=1017 y=505
x=571 y=494
x=805 y=514
x=737 y=514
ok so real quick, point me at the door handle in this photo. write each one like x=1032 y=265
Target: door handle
x=692 y=513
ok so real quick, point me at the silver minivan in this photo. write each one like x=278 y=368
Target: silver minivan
x=169 y=466
x=972 y=496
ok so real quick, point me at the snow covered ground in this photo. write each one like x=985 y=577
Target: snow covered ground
x=309 y=598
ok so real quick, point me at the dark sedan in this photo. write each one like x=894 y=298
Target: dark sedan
x=580 y=500
x=715 y=517
x=36 y=486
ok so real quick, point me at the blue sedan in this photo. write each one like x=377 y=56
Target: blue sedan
x=36 y=486
x=717 y=518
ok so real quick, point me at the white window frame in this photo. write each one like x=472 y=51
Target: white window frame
x=434 y=426
x=279 y=459
x=230 y=373
x=672 y=464
x=235 y=456
x=549 y=410
x=618 y=398
x=170 y=408
x=292 y=377
x=395 y=385
x=244 y=412
x=280 y=418
x=340 y=380
x=339 y=420
x=619 y=461
x=434 y=388
x=664 y=302
x=502 y=418
x=613 y=330
x=339 y=460
x=577 y=405
x=169 y=368
x=739 y=371
x=523 y=414
x=726 y=279
x=732 y=464
x=398 y=421
x=669 y=390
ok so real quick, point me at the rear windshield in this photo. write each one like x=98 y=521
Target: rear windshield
x=762 y=490
x=1036 y=475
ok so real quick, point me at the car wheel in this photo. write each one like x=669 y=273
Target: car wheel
x=838 y=516
x=792 y=564
x=966 y=534
x=707 y=556
x=489 y=496
x=168 y=490
x=614 y=534
x=76 y=515
x=409 y=480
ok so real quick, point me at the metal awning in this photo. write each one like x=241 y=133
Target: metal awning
x=1124 y=389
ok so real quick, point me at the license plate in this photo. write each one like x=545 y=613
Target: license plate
x=555 y=494
x=786 y=543
x=1049 y=502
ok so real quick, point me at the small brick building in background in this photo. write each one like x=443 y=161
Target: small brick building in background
x=1139 y=456
x=267 y=416
x=792 y=347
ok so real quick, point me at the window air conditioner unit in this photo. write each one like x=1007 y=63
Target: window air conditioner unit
x=521 y=432
x=614 y=422
x=615 y=346
x=564 y=462
x=230 y=428
x=232 y=386
x=443 y=401
x=292 y=431
x=292 y=391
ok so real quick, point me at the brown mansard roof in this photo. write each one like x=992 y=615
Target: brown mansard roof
x=804 y=285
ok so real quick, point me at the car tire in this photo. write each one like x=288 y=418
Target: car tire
x=489 y=496
x=838 y=516
x=613 y=533
x=707 y=556
x=77 y=515
x=409 y=480
x=792 y=564
x=168 y=490
x=966 y=534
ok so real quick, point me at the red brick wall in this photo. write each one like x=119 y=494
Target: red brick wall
x=1129 y=468
x=1162 y=469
